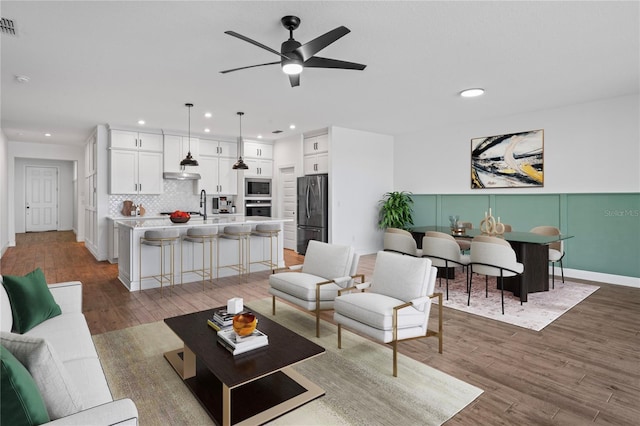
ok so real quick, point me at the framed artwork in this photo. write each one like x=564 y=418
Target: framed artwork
x=514 y=160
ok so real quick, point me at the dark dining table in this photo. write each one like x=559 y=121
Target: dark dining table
x=531 y=250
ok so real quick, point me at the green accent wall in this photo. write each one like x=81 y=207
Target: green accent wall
x=605 y=227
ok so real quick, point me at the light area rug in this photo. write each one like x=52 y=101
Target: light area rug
x=541 y=309
x=359 y=386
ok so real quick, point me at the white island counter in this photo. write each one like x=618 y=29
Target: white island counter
x=131 y=254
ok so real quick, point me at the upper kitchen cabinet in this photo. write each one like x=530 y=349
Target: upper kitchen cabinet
x=124 y=139
x=258 y=150
x=216 y=162
x=259 y=157
x=316 y=155
x=135 y=162
x=316 y=144
x=176 y=149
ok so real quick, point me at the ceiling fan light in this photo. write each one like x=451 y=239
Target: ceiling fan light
x=472 y=93
x=292 y=68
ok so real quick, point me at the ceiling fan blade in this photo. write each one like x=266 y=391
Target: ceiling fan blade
x=250 y=66
x=309 y=49
x=317 y=62
x=255 y=43
x=294 y=79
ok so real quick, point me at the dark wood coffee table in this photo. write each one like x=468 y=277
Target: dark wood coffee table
x=247 y=389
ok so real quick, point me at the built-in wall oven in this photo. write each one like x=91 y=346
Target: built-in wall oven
x=258 y=208
x=255 y=187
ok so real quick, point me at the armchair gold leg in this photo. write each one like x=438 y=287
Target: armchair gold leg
x=395 y=358
x=339 y=336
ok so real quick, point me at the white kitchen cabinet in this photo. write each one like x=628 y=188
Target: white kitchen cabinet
x=316 y=144
x=258 y=150
x=216 y=173
x=176 y=149
x=135 y=162
x=218 y=148
x=124 y=139
x=135 y=172
x=316 y=164
x=259 y=168
x=316 y=154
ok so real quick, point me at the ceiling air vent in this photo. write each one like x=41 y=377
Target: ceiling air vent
x=275 y=132
x=7 y=26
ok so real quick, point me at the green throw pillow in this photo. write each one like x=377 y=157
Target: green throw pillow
x=31 y=300
x=20 y=398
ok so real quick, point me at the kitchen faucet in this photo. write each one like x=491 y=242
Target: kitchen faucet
x=203 y=202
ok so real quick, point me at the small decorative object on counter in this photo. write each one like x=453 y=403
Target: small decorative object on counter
x=141 y=210
x=126 y=207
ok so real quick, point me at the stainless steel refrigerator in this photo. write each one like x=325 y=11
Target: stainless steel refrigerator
x=313 y=211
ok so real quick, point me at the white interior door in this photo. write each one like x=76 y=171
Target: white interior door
x=289 y=199
x=41 y=209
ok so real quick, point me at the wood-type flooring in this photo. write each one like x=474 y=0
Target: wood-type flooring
x=583 y=368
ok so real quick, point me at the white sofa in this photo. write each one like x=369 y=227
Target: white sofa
x=69 y=337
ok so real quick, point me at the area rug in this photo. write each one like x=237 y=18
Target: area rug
x=541 y=309
x=359 y=386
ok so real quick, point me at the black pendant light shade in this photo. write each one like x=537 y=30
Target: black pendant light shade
x=189 y=160
x=240 y=165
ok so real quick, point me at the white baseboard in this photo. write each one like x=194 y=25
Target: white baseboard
x=599 y=277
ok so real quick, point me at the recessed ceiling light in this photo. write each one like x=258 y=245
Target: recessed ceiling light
x=207 y=114
x=292 y=126
x=207 y=130
x=472 y=93
x=23 y=78
x=47 y=134
x=141 y=122
x=259 y=136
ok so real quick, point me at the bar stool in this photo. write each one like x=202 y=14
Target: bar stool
x=162 y=239
x=200 y=235
x=270 y=231
x=242 y=234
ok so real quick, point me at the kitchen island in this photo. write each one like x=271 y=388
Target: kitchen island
x=131 y=255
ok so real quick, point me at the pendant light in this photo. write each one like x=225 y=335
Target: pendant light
x=188 y=160
x=240 y=165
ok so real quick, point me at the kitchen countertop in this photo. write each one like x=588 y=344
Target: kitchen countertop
x=165 y=222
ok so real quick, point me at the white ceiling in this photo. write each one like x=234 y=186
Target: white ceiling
x=117 y=62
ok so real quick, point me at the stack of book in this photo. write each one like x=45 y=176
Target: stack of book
x=241 y=344
x=221 y=319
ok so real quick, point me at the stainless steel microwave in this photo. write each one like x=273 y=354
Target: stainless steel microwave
x=257 y=187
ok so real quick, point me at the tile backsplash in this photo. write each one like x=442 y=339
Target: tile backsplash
x=178 y=195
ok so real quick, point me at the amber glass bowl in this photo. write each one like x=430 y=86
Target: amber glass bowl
x=244 y=324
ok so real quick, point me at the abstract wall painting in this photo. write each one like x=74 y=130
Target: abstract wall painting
x=513 y=160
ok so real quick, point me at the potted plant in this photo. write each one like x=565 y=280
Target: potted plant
x=396 y=210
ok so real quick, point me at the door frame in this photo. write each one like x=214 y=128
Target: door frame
x=280 y=201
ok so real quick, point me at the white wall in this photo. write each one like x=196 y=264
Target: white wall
x=4 y=194
x=360 y=172
x=591 y=147
x=28 y=150
x=66 y=191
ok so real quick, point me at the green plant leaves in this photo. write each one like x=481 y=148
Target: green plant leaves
x=396 y=210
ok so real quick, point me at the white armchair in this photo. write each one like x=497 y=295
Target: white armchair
x=492 y=256
x=556 y=250
x=396 y=305
x=314 y=285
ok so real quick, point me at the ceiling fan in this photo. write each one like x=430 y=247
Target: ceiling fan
x=296 y=56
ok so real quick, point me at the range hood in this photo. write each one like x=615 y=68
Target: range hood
x=181 y=175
